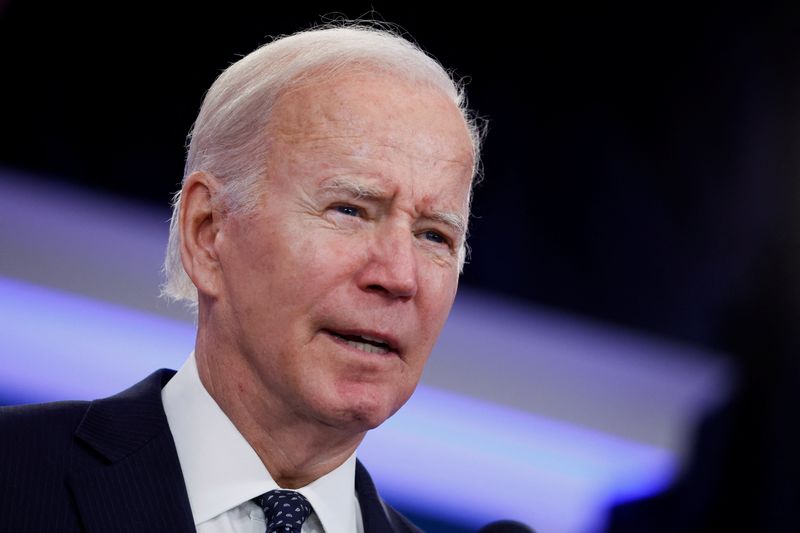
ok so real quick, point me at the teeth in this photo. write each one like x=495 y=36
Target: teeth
x=371 y=348
x=373 y=339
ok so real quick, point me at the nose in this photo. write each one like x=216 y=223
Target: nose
x=391 y=266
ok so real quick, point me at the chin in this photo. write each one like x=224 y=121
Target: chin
x=364 y=412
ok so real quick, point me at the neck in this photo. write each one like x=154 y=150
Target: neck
x=295 y=451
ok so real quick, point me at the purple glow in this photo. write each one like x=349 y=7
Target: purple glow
x=57 y=345
x=552 y=475
x=438 y=454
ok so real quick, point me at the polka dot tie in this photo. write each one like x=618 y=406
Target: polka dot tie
x=284 y=510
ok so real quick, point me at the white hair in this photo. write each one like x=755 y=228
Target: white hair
x=227 y=139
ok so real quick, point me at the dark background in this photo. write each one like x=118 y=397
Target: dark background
x=639 y=161
x=641 y=166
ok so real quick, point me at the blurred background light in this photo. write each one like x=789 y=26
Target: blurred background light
x=558 y=416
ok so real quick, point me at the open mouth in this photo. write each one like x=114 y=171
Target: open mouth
x=364 y=343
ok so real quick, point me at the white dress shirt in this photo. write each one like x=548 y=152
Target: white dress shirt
x=223 y=473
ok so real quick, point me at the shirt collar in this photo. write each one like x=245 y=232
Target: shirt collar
x=221 y=469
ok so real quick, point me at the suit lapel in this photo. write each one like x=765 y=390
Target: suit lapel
x=129 y=478
x=126 y=477
x=374 y=512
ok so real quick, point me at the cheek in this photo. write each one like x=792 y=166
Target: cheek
x=320 y=254
x=441 y=288
x=434 y=306
x=293 y=255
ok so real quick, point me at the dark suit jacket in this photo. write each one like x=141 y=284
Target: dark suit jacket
x=110 y=466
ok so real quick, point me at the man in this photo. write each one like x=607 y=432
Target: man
x=320 y=231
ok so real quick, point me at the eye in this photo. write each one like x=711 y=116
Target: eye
x=348 y=210
x=435 y=237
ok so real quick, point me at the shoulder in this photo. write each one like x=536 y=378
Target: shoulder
x=34 y=428
x=47 y=450
x=36 y=449
x=27 y=428
x=37 y=437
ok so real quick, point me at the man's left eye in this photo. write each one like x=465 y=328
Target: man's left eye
x=435 y=236
x=348 y=210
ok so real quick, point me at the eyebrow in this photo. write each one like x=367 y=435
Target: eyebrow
x=454 y=221
x=360 y=190
x=354 y=188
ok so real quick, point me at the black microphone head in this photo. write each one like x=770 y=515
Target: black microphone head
x=506 y=526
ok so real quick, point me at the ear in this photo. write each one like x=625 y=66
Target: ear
x=200 y=220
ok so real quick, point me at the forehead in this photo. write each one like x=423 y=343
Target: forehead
x=373 y=116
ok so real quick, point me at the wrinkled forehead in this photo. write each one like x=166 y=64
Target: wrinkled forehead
x=381 y=107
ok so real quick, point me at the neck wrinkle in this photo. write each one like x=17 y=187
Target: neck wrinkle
x=294 y=451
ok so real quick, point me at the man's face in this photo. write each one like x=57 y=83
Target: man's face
x=335 y=289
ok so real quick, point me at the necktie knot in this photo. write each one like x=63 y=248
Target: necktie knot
x=284 y=510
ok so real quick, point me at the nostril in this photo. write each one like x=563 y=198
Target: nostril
x=377 y=288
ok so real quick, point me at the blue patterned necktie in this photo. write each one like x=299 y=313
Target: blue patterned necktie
x=284 y=510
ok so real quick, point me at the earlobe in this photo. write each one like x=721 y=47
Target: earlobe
x=200 y=220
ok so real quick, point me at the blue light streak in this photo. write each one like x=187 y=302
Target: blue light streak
x=443 y=453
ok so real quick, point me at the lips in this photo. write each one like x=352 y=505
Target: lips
x=370 y=342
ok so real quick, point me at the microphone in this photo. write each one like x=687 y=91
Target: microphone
x=506 y=526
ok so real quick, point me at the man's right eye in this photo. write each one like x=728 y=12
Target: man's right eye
x=348 y=210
